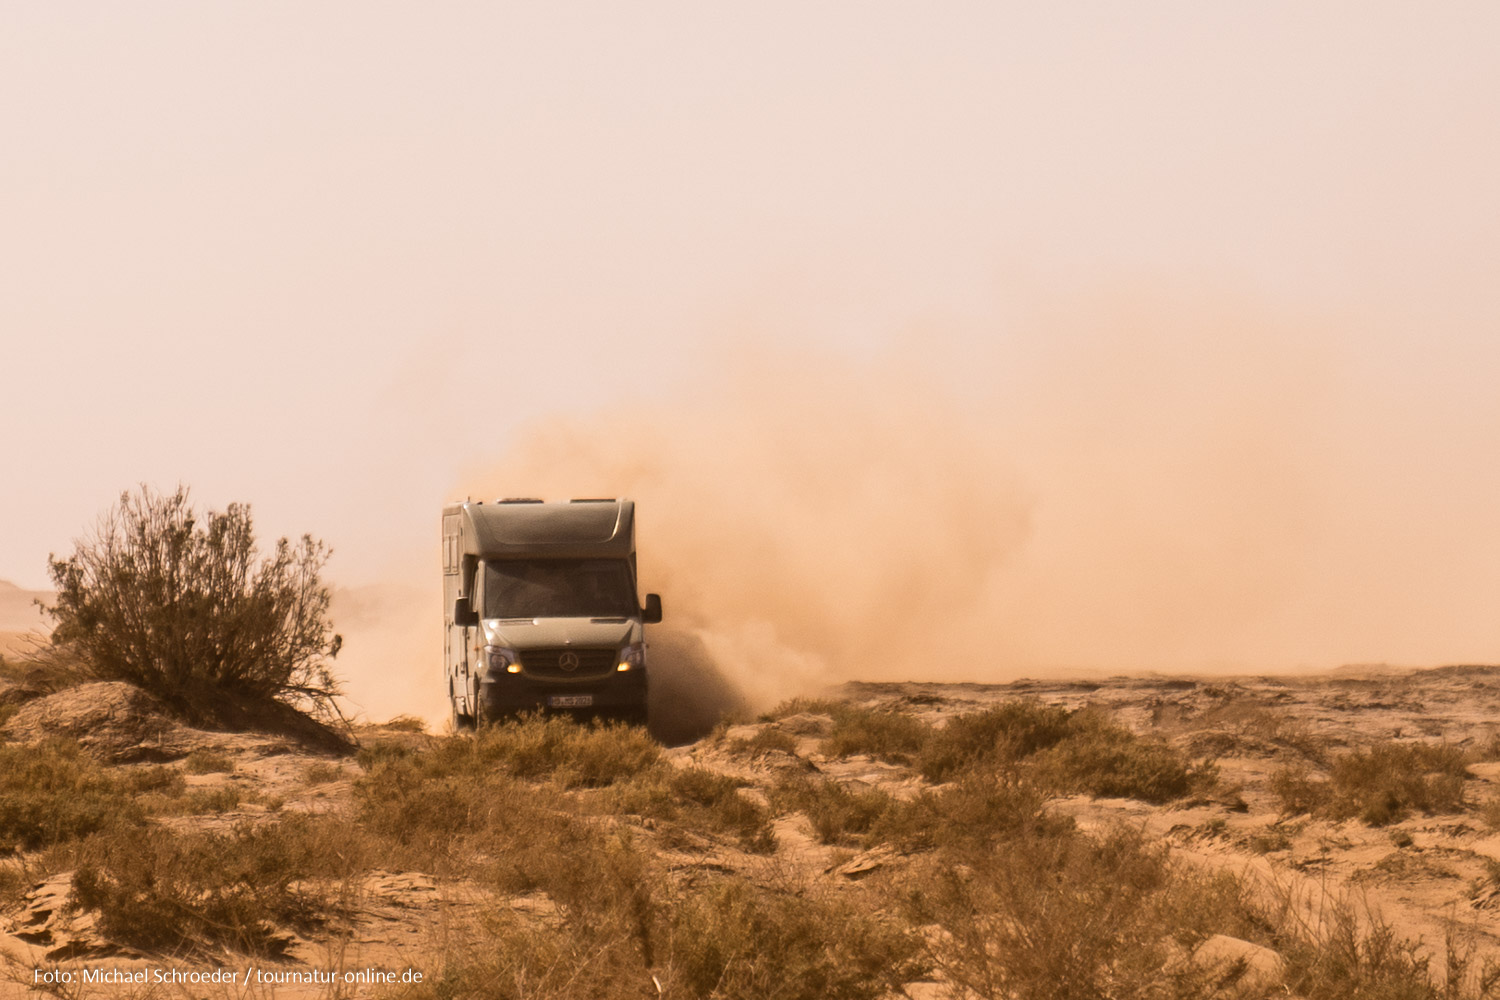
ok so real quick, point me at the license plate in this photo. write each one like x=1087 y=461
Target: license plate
x=570 y=700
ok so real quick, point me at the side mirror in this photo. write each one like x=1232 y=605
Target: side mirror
x=651 y=613
x=463 y=615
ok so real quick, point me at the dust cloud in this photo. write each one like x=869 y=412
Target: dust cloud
x=1127 y=486
x=804 y=525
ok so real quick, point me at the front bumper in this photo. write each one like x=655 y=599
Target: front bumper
x=509 y=694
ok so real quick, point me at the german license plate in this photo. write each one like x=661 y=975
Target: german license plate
x=570 y=700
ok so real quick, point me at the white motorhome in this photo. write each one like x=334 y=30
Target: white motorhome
x=541 y=610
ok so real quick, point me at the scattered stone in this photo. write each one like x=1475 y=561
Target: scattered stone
x=1250 y=967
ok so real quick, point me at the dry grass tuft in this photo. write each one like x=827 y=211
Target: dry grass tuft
x=52 y=793
x=205 y=761
x=182 y=892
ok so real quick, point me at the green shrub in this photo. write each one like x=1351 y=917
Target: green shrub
x=53 y=792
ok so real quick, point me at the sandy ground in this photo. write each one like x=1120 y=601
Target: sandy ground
x=1425 y=874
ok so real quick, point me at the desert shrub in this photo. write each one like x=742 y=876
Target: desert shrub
x=885 y=734
x=407 y=724
x=725 y=939
x=1007 y=732
x=433 y=805
x=1056 y=918
x=838 y=814
x=573 y=755
x=803 y=706
x=424 y=796
x=735 y=941
x=766 y=741
x=183 y=891
x=1079 y=751
x=974 y=813
x=155 y=779
x=1379 y=785
x=322 y=772
x=205 y=761
x=183 y=606
x=1347 y=951
x=1101 y=758
x=53 y=792
x=696 y=798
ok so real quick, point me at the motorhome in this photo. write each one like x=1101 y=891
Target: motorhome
x=541 y=610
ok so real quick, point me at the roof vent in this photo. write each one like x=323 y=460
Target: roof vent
x=519 y=500
x=592 y=500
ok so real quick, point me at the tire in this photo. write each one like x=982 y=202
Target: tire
x=461 y=722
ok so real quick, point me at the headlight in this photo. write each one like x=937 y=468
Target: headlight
x=499 y=659
x=632 y=657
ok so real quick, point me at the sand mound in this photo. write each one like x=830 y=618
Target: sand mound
x=112 y=721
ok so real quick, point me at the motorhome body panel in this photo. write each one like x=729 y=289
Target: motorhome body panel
x=594 y=529
x=554 y=657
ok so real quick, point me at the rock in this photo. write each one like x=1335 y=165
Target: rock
x=1250 y=967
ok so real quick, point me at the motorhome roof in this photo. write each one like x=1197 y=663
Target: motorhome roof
x=558 y=529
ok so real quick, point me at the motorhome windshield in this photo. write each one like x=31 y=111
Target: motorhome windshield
x=558 y=588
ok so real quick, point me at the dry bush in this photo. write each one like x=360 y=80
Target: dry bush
x=839 y=815
x=205 y=761
x=185 y=607
x=977 y=812
x=1005 y=733
x=430 y=798
x=1079 y=751
x=322 y=772
x=1380 y=785
x=1344 y=950
x=433 y=806
x=181 y=892
x=1101 y=758
x=407 y=724
x=726 y=939
x=565 y=751
x=885 y=734
x=736 y=941
x=195 y=801
x=695 y=798
x=768 y=740
x=803 y=706
x=53 y=792
x=1059 y=917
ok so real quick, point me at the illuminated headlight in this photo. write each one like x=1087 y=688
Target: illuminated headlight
x=632 y=657
x=502 y=660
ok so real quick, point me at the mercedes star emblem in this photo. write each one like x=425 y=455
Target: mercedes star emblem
x=568 y=661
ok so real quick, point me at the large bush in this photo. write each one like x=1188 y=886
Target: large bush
x=185 y=606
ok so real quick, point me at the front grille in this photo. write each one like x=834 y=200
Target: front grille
x=548 y=662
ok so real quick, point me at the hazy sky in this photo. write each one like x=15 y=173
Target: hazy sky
x=330 y=258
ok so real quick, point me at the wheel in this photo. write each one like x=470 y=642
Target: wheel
x=461 y=722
